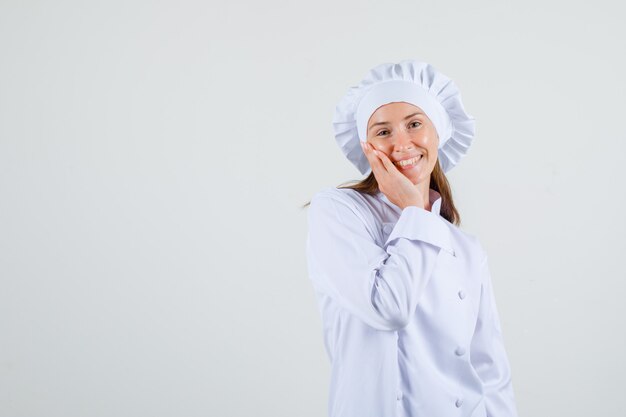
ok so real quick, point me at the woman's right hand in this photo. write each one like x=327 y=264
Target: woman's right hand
x=391 y=182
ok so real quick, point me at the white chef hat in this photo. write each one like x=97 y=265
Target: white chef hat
x=410 y=81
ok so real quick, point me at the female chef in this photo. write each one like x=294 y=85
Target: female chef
x=410 y=322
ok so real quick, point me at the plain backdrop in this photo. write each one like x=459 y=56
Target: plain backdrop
x=154 y=157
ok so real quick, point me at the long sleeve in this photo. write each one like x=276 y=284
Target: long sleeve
x=380 y=285
x=488 y=355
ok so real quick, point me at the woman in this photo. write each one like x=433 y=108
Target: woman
x=409 y=316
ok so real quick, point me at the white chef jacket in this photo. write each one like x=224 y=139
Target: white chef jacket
x=409 y=317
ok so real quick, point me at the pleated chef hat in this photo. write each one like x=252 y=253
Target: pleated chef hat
x=410 y=81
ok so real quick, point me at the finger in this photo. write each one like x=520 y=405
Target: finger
x=380 y=158
x=368 y=152
x=371 y=157
x=389 y=166
x=374 y=159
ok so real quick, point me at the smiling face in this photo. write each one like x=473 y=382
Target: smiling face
x=404 y=133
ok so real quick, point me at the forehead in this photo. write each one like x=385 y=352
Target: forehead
x=393 y=110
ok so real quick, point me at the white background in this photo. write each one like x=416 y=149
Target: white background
x=154 y=157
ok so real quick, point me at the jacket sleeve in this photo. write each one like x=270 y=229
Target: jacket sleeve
x=380 y=285
x=488 y=355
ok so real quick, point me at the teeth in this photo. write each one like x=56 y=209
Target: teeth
x=409 y=161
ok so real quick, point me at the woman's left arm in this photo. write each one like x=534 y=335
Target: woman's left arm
x=488 y=355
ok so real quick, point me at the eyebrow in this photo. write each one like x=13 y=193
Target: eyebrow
x=408 y=117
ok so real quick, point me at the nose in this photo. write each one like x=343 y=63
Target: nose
x=403 y=142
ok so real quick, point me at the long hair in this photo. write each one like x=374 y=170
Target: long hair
x=438 y=182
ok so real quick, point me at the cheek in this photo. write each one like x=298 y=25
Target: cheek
x=432 y=149
x=381 y=145
x=432 y=143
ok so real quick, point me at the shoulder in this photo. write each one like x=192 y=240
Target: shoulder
x=340 y=202
x=342 y=195
x=347 y=197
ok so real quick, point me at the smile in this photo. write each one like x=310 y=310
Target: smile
x=407 y=163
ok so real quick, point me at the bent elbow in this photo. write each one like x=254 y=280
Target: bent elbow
x=399 y=322
x=395 y=318
x=392 y=307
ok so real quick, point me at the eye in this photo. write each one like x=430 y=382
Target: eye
x=412 y=123
x=378 y=134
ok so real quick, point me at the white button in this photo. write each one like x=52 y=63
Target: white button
x=461 y=294
x=387 y=228
x=399 y=395
x=458 y=402
x=459 y=351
